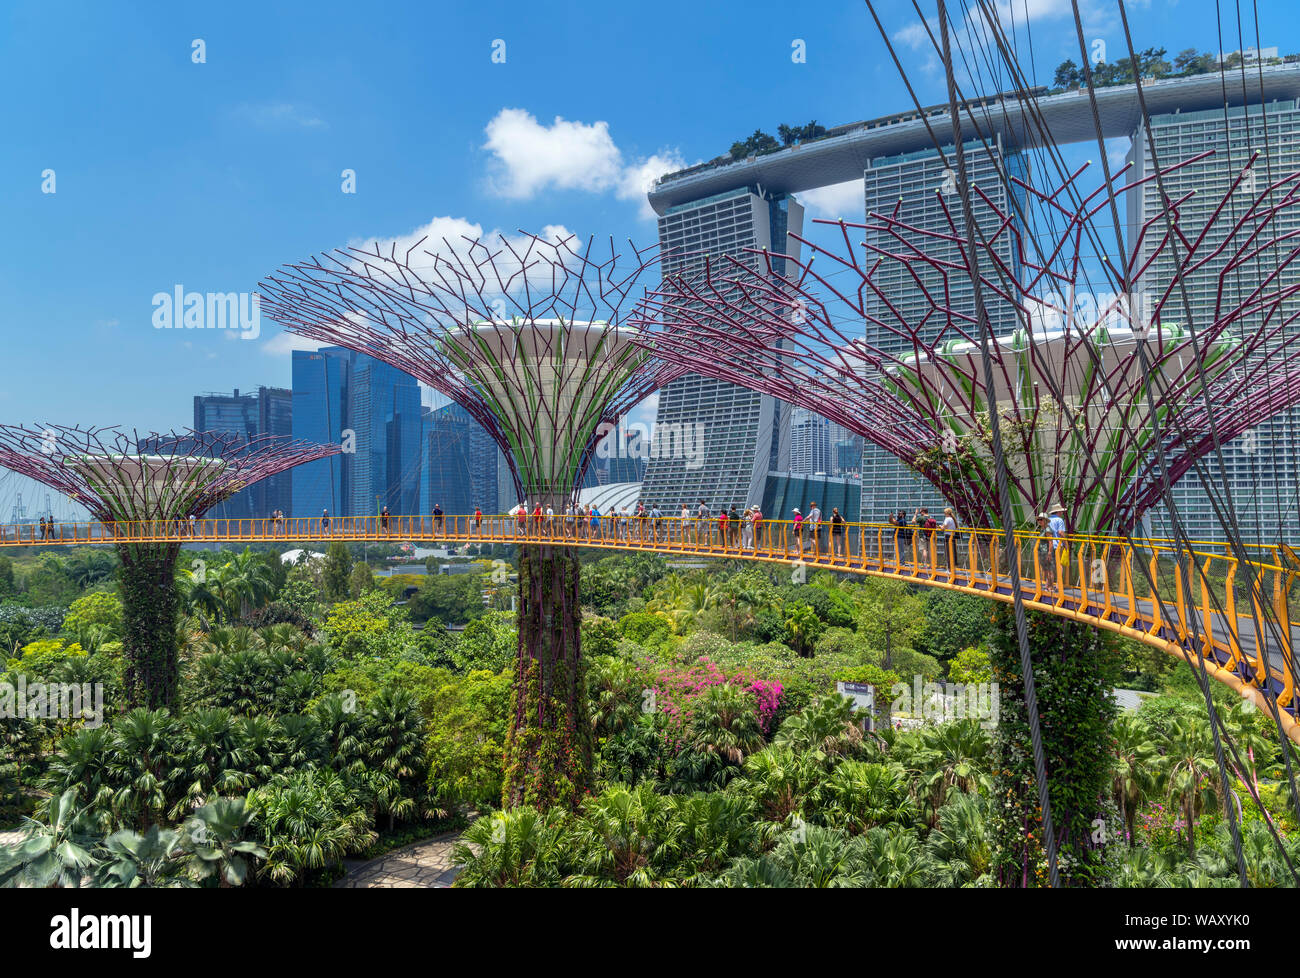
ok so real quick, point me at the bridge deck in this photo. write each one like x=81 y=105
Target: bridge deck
x=1128 y=586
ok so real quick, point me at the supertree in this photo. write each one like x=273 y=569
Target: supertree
x=144 y=487
x=1099 y=403
x=1082 y=415
x=526 y=335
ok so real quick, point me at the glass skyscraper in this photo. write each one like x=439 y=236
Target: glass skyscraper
x=461 y=463
x=248 y=416
x=373 y=411
x=730 y=437
x=1262 y=466
x=919 y=189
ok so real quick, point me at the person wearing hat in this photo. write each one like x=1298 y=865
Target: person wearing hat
x=1056 y=528
x=798 y=529
x=1047 y=566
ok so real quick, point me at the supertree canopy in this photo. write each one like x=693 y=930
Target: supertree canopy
x=526 y=335
x=146 y=486
x=1088 y=386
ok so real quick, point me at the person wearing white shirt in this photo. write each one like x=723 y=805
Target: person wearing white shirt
x=950 y=538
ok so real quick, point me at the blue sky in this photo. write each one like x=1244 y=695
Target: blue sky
x=208 y=175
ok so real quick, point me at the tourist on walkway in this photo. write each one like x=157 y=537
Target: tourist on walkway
x=1044 y=548
x=758 y=527
x=837 y=533
x=950 y=538
x=747 y=529
x=798 y=530
x=1060 y=553
x=815 y=525
x=325 y=521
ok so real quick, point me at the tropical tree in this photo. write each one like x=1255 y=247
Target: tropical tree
x=218 y=848
x=1137 y=769
x=519 y=847
x=860 y=796
x=54 y=850
x=338 y=569
x=152 y=859
x=802 y=626
x=1190 y=772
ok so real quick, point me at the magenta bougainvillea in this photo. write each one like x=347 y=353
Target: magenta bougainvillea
x=679 y=685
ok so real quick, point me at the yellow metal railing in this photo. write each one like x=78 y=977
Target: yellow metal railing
x=1133 y=587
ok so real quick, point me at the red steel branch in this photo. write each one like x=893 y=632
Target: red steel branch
x=1071 y=391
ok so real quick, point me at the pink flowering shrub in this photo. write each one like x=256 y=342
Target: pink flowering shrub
x=679 y=684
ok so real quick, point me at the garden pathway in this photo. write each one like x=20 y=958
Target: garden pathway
x=423 y=864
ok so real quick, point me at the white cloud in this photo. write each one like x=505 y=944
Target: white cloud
x=639 y=178
x=840 y=200
x=530 y=157
x=454 y=238
x=283 y=343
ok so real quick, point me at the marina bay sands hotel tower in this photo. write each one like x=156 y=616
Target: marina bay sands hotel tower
x=726 y=205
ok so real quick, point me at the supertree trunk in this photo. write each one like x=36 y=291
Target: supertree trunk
x=1075 y=667
x=151 y=611
x=548 y=745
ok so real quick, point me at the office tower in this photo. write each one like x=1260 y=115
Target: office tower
x=810 y=443
x=718 y=441
x=248 y=416
x=373 y=411
x=461 y=466
x=919 y=189
x=1261 y=466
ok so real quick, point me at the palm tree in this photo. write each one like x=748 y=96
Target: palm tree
x=861 y=796
x=141 y=766
x=89 y=567
x=310 y=820
x=949 y=755
x=897 y=858
x=802 y=626
x=706 y=831
x=1137 y=769
x=210 y=760
x=619 y=836
x=614 y=691
x=778 y=780
x=1189 y=772
x=248 y=579
x=152 y=859
x=962 y=844
x=56 y=850
x=395 y=749
x=520 y=847
x=218 y=847
x=85 y=761
x=725 y=729
x=825 y=729
x=815 y=856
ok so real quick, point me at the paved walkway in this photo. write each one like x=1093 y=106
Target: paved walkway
x=424 y=864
